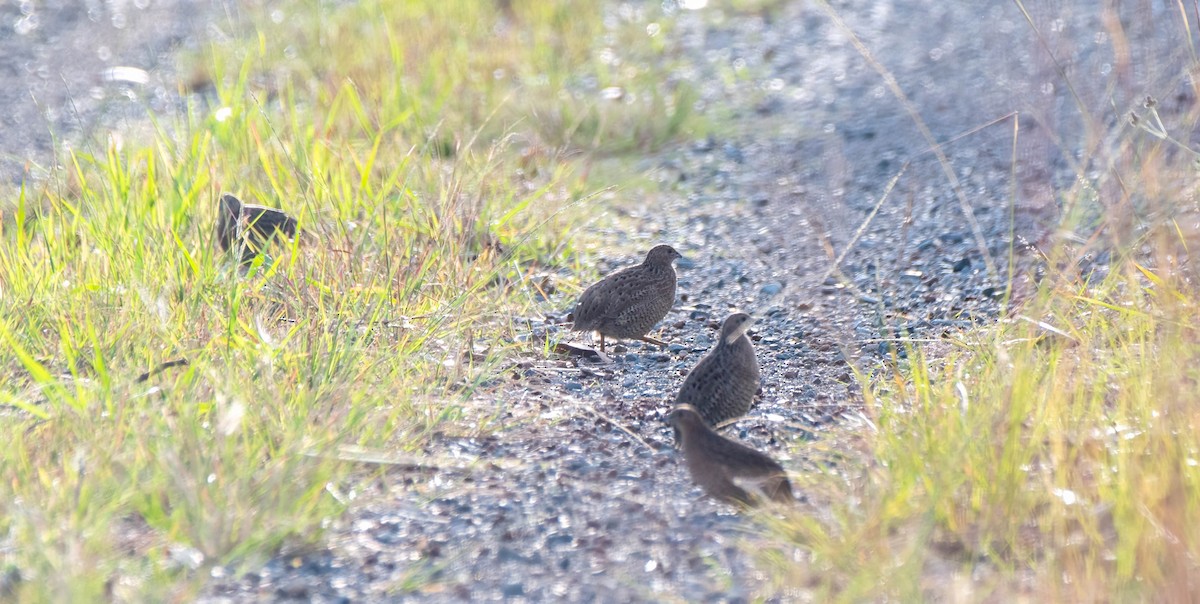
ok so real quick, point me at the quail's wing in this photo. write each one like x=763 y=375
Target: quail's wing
x=706 y=382
x=269 y=220
x=738 y=469
x=774 y=486
x=708 y=471
x=608 y=298
x=652 y=301
x=731 y=491
x=741 y=460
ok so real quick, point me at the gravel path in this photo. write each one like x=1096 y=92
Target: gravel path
x=74 y=68
x=579 y=497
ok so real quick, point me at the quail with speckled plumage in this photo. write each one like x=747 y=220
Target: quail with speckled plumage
x=629 y=302
x=250 y=227
x=722 y=385
x=724 y=468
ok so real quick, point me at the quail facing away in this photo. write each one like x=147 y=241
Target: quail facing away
x=718 y=464
x=627 y=303
x=250 y=227
x=722 y=385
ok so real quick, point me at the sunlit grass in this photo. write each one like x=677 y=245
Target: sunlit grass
x=429 y=149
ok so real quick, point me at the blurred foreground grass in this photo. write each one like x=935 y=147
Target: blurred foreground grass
x=434 y=149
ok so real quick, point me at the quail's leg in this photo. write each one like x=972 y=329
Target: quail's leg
x=601 y=342
x=659 y=343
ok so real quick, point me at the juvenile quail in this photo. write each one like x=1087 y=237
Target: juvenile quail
x=250 y=227
x=722 y=385
x=718 y=464
x=627 y=303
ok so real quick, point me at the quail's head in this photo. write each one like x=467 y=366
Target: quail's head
x=228 y=212
x=684 y=415
x=735 y=326
x=684 y=419
x=662 y=255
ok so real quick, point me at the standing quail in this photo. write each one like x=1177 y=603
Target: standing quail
x=717 y=463
x=250 y=227
x=722 y=385
x=627 y=303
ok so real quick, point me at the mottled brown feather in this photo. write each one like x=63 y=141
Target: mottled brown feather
x=249 y=227
x=631 y=301
x=722 y=385
x=717 y=464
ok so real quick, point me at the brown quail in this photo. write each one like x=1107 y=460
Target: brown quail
x=249 y=227
x=722 y=385
x=627 y=303
x=718 y=464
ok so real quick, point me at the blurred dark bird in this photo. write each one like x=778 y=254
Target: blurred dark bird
x=719 y=464
x=249 y=227
x=722 y=385
x=627 y=303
